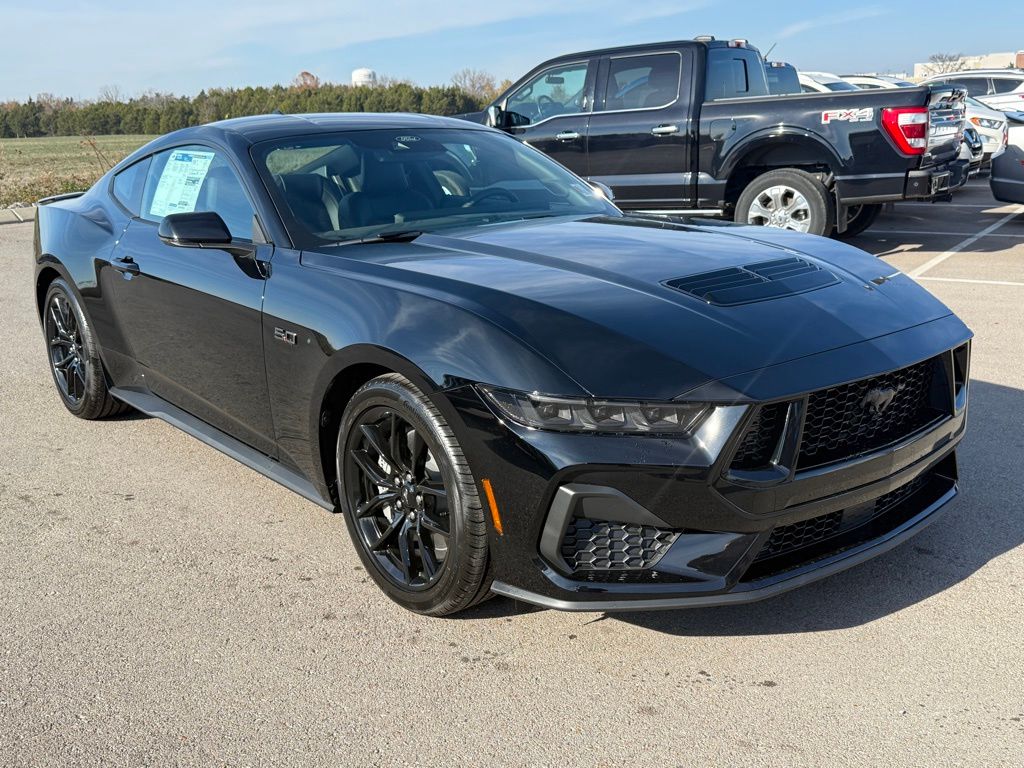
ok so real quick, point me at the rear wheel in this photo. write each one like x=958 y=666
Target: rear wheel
x=74 y=356
x=859 y=218
x=410 y=500
x=787 y=199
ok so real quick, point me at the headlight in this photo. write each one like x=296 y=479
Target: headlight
x=608 y=416
x=985 y=122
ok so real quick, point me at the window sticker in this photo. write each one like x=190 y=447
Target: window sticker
x=179 y=185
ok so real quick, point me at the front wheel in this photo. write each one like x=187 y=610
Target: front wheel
x=410 y=500
x=787 y=199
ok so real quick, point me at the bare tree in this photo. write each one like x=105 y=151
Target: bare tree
x=306 y=81
x=941 y=63
x=477 y=83
x=110 y=94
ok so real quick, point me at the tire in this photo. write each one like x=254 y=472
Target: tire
x=787 y=199
x=859 y=218
x=410 y=500
x=73 y=354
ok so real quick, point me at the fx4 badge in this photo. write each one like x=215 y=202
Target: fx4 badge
x=863 y=115
x=287 y=336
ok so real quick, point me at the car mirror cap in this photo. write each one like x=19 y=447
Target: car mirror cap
x=195 y=229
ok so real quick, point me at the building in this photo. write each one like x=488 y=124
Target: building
x=984 y=61
x=364 y=76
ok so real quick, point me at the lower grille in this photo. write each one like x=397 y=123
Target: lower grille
x=599 y=545
x=794 y=545
x=761 y=438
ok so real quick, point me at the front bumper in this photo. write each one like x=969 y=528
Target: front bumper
x=709 y=537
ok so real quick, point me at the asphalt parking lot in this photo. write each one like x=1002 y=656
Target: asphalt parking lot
x=161 y=604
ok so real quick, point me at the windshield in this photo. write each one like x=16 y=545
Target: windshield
x=839 y=85
x=354 y=185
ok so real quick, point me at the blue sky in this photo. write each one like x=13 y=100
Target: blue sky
x=77 y=47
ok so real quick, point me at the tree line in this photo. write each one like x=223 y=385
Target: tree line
x=154 y=113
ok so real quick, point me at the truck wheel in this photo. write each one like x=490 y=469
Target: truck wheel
x=787 y=199
x=859 y=218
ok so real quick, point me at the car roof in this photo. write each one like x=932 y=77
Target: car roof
x=1015 y=73
x=822 y=77
x=644 y=47
x=257 y=128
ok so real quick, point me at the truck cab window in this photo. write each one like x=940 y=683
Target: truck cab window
x=733 y=73
x=560 y=90
x=643 y=82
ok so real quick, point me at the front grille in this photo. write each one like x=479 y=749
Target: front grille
x=761 y=438
x=853 y=419
x=599 y=545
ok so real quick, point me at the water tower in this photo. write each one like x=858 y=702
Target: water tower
x=364 y=76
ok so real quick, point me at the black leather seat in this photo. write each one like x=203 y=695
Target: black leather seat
x=385 y=193
x=313 y=200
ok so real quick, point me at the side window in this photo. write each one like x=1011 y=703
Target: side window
x=975 y=86
x=197 y=178
x=1005 y=84
x=643 y=82
x=734 y=72
x=560 y=90
x=129 y=183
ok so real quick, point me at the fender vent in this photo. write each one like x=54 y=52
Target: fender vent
x=755 y=282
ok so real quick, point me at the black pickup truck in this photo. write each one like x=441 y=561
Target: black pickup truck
x=690 y=126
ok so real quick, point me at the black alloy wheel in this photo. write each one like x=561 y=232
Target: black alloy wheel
x=74 y=357
x=410 y=500
x=400 y=499
x=65 y=345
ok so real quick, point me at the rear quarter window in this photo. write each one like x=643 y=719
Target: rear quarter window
x=1006 y=84
x=129 y=184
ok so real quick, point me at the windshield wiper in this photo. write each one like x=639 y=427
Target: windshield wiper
x=387 y=236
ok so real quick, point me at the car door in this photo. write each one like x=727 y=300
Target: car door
x=191 y=317
x=550 y=111
x=639 y=140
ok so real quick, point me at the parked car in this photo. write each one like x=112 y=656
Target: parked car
x=973 y=150
x=691 y=126
x=504 y=383
x=824 y=82
x=1001 y=89
x=869 y=82
x=782 y=78
x=991 y=126
x=1007 y=180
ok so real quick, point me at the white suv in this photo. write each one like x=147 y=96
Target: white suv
x=1001 y=89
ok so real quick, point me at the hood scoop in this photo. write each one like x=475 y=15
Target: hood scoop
x=755 y=282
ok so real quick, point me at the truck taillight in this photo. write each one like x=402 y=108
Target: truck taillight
x=908 y=127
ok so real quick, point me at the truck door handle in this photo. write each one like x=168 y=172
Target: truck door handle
x=125 y=266
x=664 y=130
x=567 y=136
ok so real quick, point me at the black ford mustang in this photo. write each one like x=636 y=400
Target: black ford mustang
x=505 y=384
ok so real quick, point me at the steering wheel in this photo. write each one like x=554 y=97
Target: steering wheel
x=544 y=100
x=486 y=194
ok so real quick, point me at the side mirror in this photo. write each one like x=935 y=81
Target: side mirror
x=197 y=229
x=495 y=116
x=604 y=190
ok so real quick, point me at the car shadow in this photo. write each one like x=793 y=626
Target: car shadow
x=981 y=525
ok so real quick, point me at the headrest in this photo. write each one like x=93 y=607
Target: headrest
x=384 y=178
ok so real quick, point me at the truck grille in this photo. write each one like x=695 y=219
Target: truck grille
x=848 y=420
x=853 y=419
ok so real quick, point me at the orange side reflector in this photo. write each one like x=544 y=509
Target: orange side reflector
x=495 y=516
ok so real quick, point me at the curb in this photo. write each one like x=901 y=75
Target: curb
x=17 y=215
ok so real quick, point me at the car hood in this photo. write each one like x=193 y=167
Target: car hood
x=590 y=295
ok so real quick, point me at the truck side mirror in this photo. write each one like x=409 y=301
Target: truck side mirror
x=495 y=116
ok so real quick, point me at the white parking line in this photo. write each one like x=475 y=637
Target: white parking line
x=968 y=280
x=952 y=205
x=931 y=263
x=881 y=232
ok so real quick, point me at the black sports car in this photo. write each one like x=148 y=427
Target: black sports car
x=504 y=383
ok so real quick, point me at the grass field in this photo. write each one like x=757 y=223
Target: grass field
x=34 y=168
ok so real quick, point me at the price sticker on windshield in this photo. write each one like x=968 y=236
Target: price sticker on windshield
x=862 y=115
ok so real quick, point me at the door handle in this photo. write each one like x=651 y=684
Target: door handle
x=664 y=130
x=126 y=266
x=567 y=136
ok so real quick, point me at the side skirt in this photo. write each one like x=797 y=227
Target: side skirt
x=151 y=405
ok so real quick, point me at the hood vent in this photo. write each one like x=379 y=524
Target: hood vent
x=755 y=282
